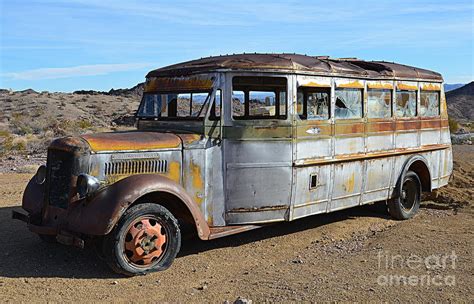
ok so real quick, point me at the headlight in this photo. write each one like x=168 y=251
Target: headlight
x=86 y=185
x=40 y=175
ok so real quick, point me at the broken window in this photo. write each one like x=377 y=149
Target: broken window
x=259 y=97
x=379 y=103
x=348 y=103
x=313 y=103
x=429 y=103
x=406 y=104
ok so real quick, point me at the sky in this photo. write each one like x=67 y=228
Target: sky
x=67 y=45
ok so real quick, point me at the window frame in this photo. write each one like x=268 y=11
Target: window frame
x=305 y=90
x=212 y=114
x=439 y=103
x=396 y=104
x=362 y=113
x=173 y=118
x=392 y=112
x=250 y=88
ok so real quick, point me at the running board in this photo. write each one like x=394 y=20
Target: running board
x=217 y=232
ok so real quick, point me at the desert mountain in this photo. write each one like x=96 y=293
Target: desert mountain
x=461 y=102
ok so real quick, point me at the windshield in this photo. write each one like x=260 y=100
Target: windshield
x=174 y=105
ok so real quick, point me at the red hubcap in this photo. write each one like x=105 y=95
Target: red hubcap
x=145 y=241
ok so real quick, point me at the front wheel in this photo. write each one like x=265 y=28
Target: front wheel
x=146 y=239
x=407 y=203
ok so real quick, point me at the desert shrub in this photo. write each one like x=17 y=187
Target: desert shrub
x=84 y=124
x=453 y=125
x=12 y=144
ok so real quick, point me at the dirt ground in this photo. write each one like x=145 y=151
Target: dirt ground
x=358 y=254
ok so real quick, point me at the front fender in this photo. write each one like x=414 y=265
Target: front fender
x=33 y=197
x=98 y=215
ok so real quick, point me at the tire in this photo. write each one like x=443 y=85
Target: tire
x=146 y=239
x=407 y=203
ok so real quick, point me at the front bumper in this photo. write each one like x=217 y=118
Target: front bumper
x=62 y=237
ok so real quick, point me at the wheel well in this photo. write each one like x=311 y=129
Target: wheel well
x=175 y=205
x=420 y=168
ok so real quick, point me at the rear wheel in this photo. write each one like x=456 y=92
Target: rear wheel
x=146 y=239
x=407 y=203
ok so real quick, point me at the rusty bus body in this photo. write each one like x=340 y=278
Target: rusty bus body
x=329 y=134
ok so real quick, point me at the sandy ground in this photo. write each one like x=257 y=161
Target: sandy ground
x=358 y=254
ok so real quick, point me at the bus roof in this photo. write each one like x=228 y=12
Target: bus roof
x=295 y=63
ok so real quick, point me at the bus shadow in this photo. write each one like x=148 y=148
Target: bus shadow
x=24 y=255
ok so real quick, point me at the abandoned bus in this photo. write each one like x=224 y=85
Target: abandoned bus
x=230 y=143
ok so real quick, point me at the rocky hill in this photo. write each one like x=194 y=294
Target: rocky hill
x=461 y=103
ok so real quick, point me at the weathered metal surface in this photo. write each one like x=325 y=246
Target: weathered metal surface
x=131 y=141
x=297 y=63
x=179 y=83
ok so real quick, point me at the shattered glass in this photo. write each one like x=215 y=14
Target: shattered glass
x=429 y=103
x=406 y=104
x=348 y=103
x=316 y=103
x=379 y=103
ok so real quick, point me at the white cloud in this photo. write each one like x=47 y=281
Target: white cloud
x=76 y=71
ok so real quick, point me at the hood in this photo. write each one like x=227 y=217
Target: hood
x=137 y=141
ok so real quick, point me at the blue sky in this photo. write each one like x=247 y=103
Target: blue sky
x=67 y=45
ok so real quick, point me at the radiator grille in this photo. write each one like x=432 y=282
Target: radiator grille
x=135 y=167
x=60 y=168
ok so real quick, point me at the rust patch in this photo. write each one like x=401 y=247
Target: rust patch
x=258 y=209
x=181 y=83
x=385 y=126
x=379 y=85
x=349 y=185
x=353 y=85
x=174 y=172
x=316 y=85
x=135 y=140
x=407 y=87
x=431 y=87
x=342 y=129
x=189 y=138
x=407 y=125
x=430 y=124
x=363 y=156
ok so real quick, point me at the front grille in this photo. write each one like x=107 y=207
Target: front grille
x=135 y=167
x=60 y=170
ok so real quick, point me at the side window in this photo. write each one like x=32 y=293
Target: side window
x=348 y=103
x=429 y=103
x=259 y=97
x=379 y=103
x=217 y=106
x=406 y=104
x=238 y=103
x=313 y=103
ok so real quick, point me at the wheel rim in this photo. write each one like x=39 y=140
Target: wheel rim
x=409 y=194
x=145 y=242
